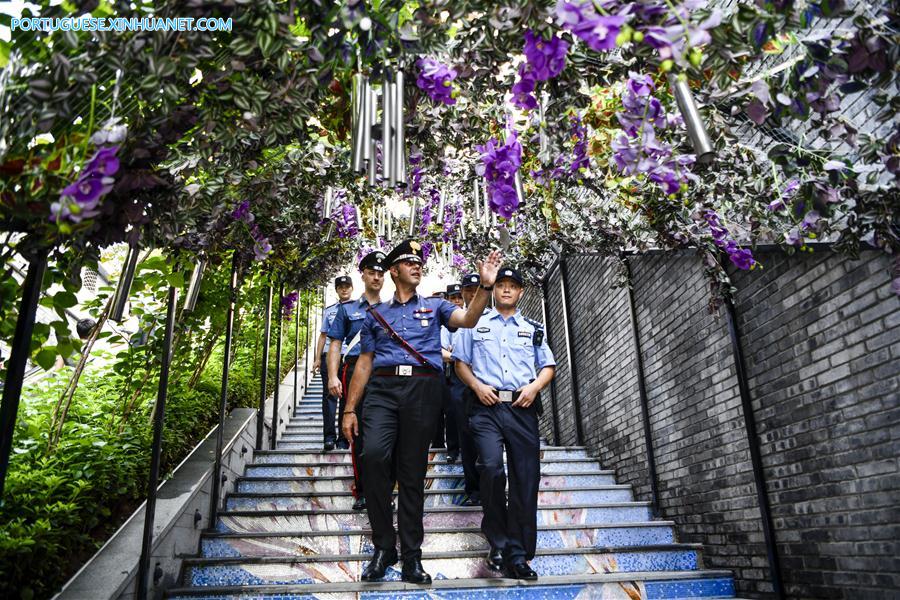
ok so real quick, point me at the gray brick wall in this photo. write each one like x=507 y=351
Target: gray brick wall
x=821 y=337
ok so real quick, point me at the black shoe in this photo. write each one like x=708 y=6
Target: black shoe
x=414 y=573
x=360 y=503
x=472 y=500
x=452 y=458
x=495 y=560
x=520 y=570
x=342 y=445
x=381 y=560
x=329 y=446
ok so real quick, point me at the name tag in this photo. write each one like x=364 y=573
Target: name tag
x=524 y=334
x=483 y=329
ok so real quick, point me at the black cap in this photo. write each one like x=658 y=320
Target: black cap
x=342 y=280
x=511 y=273
x=454 y=289
x=410 y=250
x=373 y=260
x=438 y=295
x=471 y=279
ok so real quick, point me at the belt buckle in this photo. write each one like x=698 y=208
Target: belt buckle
x=404 y=370
x=506 y=396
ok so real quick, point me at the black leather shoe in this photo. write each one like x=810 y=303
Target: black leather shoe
x=495 y=560
x=472 y=500
x=329 y=446
x=360 y=504
x=452 y=458
x=520 y=570
x=381 y=560
x=414 y=573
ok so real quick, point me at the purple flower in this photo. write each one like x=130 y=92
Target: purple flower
x=80 y=200
x=104 y=163
x=741 y=257
x=85 y=191
x=344 y=217
x=459 y=262
x=499 y=167
x=436 y=80
x=242 y=212
x=581 y=18
x=523 y=88
x=287 y=304
x=546 y=58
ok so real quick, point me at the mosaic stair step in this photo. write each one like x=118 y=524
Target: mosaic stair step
x=267 y=483
x=314 y=454
x=288 y=544
x=462 y=564
x=435 y=498
x=258 y=521
x=311 y=427
x=345 y=467
x=660 y=585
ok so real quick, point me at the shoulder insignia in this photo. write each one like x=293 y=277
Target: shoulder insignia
x=330 y=305
x=348 y=301
x=537 y=324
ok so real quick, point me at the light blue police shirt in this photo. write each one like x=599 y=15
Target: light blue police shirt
x=501 y=352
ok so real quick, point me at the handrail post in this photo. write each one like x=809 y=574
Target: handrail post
x=642 y=391
x=759 y=477
x=553 y=406
x=156 y=448
x=573 y=370
x=216 y=483
x=306 y=346
x=261 y=411
x=296 y=347
x=277 y=396
x=18 y=358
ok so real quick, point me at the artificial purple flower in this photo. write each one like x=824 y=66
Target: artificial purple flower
x=546 y=58
x=344 y=217
x=104 y=163
x=499 y=167
x=523 y=88
x=742 y=258
x=459 y=262
x=582 y=19
x=85 y=191
x=287 y=304
x=436 y=80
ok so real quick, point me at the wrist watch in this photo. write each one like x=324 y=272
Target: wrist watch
x=486 y=288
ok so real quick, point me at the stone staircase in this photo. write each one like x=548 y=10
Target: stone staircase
x=288 y=533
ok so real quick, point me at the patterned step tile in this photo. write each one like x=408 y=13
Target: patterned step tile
x=670 y=588
x=322 y=520
x=433 y=498
x=299 y=467
x=228 y=572
x=318 y=483
x=357 y=542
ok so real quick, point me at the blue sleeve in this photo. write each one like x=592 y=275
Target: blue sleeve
x=338 y=328
x=445 y=309
x=445 y=338
x=325 y=322
x=462 y=346
x=543 y=356
x=367 y=334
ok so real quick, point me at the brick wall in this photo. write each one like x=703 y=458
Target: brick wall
x=821 y=337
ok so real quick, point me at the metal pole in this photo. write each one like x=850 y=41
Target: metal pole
x=306 y=345
x=275 y=399
x=553 y=407
x=261 y=412
x=223 y=395
x=642 y=391
x=18 y=358
x=156 y=449
x=296 y=346
x=755 y=454
x=573 y=371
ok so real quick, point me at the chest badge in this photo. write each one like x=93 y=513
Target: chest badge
x=424 y=322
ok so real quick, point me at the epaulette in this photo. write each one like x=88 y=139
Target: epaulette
x=347 y=301
x=537 y=324
x=330 y=305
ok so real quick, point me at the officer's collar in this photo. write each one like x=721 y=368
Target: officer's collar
x=515 y=318
x=413 y=298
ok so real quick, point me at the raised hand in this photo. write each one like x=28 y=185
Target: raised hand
x=489 y=268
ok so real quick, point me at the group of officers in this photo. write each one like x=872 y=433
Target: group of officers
x=393 y=369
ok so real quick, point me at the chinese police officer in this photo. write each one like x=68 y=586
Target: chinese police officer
x=506 y=362
x=401 y=352
x=343 y=285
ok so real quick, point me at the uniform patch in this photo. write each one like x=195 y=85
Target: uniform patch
x=524 y=334
x=484 y=330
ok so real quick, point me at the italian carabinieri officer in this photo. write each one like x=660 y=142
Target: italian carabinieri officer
x=345 y=331
x=401 y=353
x=506 y=362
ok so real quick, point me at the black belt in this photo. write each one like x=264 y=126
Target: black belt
x=350 y=360
x=406 y=371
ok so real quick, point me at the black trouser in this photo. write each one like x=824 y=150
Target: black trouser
x=329 y=405
x=447 y=432
x=468 y=451
x=512 y=529
x=399 y=417
x=356 y=444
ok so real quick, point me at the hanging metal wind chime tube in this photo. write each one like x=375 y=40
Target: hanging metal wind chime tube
x=359 y=111
x=387 y=119
x=486 y=211
x=123 y=289
x=693 y=122
x=359 y=222
x=476 y=198
x=462 y=225
x=441 y=205
x=193 y=291
x=372 y=171
x=399 y=130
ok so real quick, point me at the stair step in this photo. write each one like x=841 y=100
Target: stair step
x=290 y=544
x=646 y=585
x=266 y=483
x=436 y=498
x=313 y=453
x=443 y=516
x=329 y=468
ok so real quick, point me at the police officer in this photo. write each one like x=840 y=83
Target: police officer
x=506 y=362
x=345 y=332
x=401 y=352
x=448 y=423
x=343 y=285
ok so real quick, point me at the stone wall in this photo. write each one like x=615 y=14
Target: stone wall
x=821 y=339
